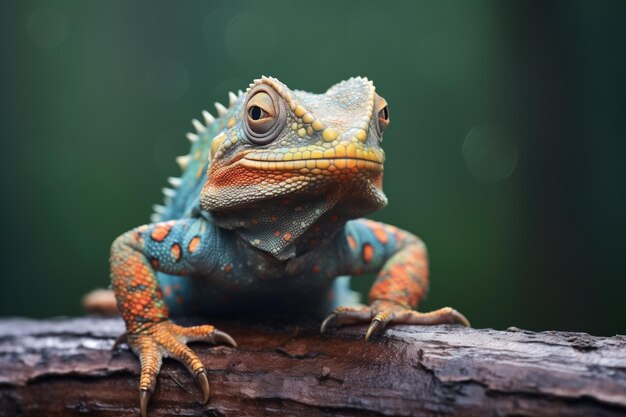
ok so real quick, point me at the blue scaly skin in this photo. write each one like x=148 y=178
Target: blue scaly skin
x=265 y=216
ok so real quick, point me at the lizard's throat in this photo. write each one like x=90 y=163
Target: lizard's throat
x=290 y=225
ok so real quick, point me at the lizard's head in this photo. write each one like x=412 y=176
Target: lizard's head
x=281 y=143
x=285 y=150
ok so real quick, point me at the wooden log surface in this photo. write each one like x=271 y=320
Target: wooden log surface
x=66 y=367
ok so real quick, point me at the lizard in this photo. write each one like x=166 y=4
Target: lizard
x=267 y=213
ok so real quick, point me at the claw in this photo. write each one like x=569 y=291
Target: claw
x=327 y=322
x=144 y=397
x=375 y=327
x=460 y=318
x=123 y=338
x=224 y=338
x=203 y=380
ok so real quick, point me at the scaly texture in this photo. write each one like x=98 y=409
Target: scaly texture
x=265 y=217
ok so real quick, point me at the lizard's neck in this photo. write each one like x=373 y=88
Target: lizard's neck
x=295 y=224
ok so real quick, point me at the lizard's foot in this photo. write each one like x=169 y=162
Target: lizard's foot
x=167 y=339
x=382 y=312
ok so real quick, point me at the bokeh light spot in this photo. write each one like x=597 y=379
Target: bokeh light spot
x=167 y=80
x=47 y=28
x=490 y=153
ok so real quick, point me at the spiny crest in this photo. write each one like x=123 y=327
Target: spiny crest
x=184 y=160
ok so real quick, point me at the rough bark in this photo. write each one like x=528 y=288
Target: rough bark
x=66 y=367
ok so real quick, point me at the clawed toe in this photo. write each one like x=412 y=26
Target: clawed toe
x=203 y=380
x=328 y=321
x=381 y=313
x=460 y=318
x=144 y=397
x=223 y=339
x=376 y=327
x=168 y=339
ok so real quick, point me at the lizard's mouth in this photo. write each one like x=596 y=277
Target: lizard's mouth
x=326 y=161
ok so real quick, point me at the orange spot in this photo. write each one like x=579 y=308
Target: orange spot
x=287 y=236
x=228 y=268
x=179 y=299
x=286 y=202
x=351 y=242
x=381 y=236
x=167 y=290
x=175 y=251
x=368 y=253
x=193 y=245
x=273 y=218
x=277 y=233
x=160 y=232
x=155 y=263
x=313 y=242
x=254 y=221
x=334 y=218
x=176 y=286
x=316 y=269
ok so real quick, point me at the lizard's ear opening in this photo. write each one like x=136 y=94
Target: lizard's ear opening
x=265 y=115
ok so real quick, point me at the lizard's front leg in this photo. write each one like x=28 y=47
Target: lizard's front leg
x=402 y=282
x=175 y=247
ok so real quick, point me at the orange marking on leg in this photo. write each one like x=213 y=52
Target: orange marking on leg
x=381 y=235
x=167 y=290
x=228 y=268
x=160 y=232
x=316 y=269
x=287 y=236
x=154 y=262
x=368 y=253
x=351 y=242
x=193 y=245
x=277 y=233
x=176 y=252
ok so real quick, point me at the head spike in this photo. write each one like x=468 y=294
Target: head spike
x=208 y=117
x=175 y=181
x=155 y=218
x=183 y=161
x=168 y=192
x=221 y=110
x=158 y=209
x=199 y=126
x=232 y=99
x=240 y=93
x=192 y=137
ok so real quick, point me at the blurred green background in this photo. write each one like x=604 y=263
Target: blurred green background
x=505 y=151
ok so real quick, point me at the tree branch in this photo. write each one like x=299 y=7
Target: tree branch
x=66 y=367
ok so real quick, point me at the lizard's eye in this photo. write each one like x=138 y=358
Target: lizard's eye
x=383 y=114
x=263 y=114
x=256 y=113
x=383 y=118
